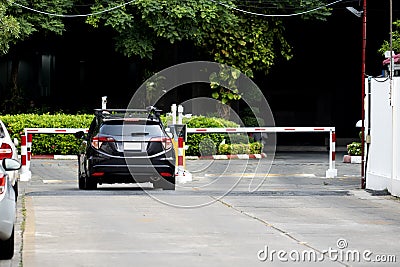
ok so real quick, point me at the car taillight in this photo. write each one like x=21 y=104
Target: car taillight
x=166 y=141
x=5 y=151
x=166 y=174
x=97 y=141
x=2 y=183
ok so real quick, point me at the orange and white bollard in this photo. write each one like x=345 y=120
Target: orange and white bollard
x=182 y=176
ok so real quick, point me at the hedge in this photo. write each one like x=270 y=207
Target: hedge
x=43 y=144
x=206 y=144
x=250 y=148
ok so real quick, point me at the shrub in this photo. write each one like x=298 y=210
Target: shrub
x=199 y=144
x=238 y=139
x=256 y=148
x=209 y=142
x=354 y=149
x=232 y=149
x=46 y=143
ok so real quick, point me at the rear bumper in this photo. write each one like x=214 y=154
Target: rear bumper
x=7 y=213
x=120 y=170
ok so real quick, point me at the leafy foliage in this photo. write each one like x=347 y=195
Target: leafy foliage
x=232 y=149
x=43 y=144
x=245 y=42
x=228 y=76
x=204 y=143
x=354 y=149
x=396 y=40
x=18 y=24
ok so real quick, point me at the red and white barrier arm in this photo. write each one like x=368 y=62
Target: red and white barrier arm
x=330 y=173
x=26 y=145
x=54 y=130
x=260 y=129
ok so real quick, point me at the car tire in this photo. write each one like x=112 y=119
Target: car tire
x=7 y=247
x=86 y=183
x=165 y=184
x=81 y=182
x=91 y=183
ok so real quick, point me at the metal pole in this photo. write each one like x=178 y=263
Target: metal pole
x=104 y=102
x=364 y=45
x=180 y=114
x=173 y=111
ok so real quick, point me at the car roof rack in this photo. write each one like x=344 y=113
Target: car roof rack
x=150 y=112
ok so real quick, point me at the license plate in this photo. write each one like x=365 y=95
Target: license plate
x=132 y=146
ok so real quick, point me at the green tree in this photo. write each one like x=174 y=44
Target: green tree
x=241 y=40
x=396 y=40
x=19 y=25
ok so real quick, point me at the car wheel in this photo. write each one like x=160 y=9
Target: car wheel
x=81 y=182
x=7 y=248
x=86 y=183
x=165 y=184
x=91 y=183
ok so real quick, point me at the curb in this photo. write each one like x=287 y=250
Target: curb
x=219 y=157
x=222 y=157
x=54 y=157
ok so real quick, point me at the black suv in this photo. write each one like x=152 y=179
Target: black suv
x=126 y=146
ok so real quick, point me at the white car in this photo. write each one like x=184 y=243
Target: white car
x=8 y=150
x=7 y=208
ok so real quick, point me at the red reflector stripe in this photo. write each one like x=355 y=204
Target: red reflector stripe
x=165 y=174
x=201 y=130
x=2 y=183
x=97 y=174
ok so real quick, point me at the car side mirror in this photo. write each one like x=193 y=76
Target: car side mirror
x=79 y=134
x=10 y=164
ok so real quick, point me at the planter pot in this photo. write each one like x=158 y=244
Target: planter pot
x=352 y=159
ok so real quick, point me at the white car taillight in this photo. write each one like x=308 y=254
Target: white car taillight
x=166 y=141
x=97 y=141
x=2 y=183
x=5 y=151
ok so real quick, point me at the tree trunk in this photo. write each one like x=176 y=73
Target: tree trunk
x=14 y=76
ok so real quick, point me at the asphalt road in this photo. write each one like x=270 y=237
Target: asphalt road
x=231 y=214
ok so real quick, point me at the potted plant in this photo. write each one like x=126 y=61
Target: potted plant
x=353 y=153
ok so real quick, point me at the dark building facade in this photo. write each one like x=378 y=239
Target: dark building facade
x=320 y=86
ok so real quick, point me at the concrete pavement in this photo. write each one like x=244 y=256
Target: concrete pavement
x=295 y=213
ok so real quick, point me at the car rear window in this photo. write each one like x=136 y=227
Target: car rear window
x=127 y=128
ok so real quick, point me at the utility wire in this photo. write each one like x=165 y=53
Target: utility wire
x=217 y=2
x=75 y=15
x=275 y=15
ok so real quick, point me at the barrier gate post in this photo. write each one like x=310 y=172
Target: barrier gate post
x=25 y=174
x=332 y=172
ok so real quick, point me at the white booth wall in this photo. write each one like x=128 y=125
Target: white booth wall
x=383 y=152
